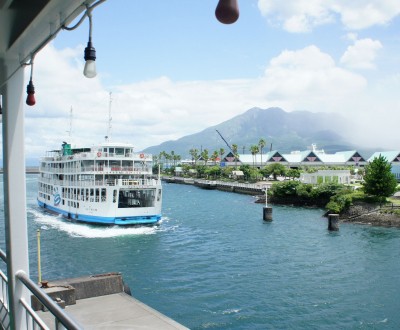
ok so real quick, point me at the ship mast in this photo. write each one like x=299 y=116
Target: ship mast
x=108 y=136
x=70 y=123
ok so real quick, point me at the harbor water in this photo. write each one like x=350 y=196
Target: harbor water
x=213 y=263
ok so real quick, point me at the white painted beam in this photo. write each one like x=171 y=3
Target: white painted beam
x=15 y=191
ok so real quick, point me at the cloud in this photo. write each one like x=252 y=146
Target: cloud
x=303 y=16
x=147 y=113
x=362 y=54
x=310 y=79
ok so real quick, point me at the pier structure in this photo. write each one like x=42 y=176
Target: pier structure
x=101 y=301
x=237 y=187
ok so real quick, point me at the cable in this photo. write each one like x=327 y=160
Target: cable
x=30 y=57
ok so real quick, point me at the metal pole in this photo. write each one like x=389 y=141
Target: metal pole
x=39 y=261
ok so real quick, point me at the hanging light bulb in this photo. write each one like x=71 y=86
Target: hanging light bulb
x=30 y=89
x=227 y=11
x=90 y=53
x=90 y=57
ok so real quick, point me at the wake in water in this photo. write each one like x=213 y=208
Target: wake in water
x=49 y=221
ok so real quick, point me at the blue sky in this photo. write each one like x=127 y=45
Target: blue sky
x=174 y=70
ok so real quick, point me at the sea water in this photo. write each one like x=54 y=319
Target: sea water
x=213 y=263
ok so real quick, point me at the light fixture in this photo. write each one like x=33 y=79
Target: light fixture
x=90 y=53
x=30 y=89
x=227 y=11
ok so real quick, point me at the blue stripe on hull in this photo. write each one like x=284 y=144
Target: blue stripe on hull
x=121 y=221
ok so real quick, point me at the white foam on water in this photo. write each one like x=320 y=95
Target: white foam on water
x=231 y=311
x=49 y=221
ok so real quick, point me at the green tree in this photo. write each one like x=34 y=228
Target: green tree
x=246 y=170
x=276 y=169
x=293 y=173
x=261 y=145
x=195 y=155
x=379 y=181
x=235 y=153
x=205 y=156
x=214 y=157
x=254 y=151
x=221 y=152
x=213 y=171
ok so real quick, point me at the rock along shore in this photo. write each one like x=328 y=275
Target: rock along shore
x=373 y=215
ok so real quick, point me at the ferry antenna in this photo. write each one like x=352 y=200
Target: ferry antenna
x=70 y=123
x=108 y=136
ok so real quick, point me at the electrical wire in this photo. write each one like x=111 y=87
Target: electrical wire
x=28 y=60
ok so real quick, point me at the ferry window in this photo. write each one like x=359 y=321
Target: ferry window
x=127 y=165
x=103 y=194
x=111 y=150
x=119 y=151
x=114 y=196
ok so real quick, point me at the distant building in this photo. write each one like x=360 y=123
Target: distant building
x=326 y=176
x=311 y=157
x=393 y=157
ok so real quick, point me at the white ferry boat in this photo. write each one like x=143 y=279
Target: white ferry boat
x=107 y=184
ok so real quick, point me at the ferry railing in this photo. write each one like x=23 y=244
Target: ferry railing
x=33 y=320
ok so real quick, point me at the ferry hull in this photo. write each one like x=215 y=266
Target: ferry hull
x=99 y=220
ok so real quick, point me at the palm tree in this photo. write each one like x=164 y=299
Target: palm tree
x=195 y=155
x=254 y=151
x=221 y=152
x=173 y=157
x=167 y=158
x=214 y=157
x=235 y=153
x=261 y=144
x=176 y=159
x=161 y=156
x=204 y=155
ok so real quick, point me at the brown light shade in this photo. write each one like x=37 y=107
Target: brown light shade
x=227 y=11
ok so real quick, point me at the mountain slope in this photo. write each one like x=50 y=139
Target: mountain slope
x=286 y=131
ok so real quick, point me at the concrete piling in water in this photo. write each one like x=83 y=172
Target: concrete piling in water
x=333 y=222
x=267 y=213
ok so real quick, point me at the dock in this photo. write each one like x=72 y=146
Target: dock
x=230 y=186
x=102 y=302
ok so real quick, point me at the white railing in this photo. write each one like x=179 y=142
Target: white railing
x=98 y=169
x=32 y=319
x=100 y=183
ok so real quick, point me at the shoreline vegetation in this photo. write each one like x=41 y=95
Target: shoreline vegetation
x=356 y=211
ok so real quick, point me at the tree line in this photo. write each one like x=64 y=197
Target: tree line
x=378 y=182
x=172 y=159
